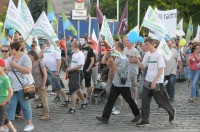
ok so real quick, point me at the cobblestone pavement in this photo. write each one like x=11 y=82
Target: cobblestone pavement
x=187 y=120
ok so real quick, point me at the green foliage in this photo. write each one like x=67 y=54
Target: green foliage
x=36 y=7
x=3 y=15
x=186 y=9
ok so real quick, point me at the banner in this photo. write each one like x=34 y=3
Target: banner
x=155 y=35
x=123 y=24
x=27 y=17
x=168 y=19
x=189 y=31
x=15 y=21
x=105 y=31
x=152 y=22
x=179 y=28
x=164 y=49
x=67 y=25
x=44 y=28
x=198 y=33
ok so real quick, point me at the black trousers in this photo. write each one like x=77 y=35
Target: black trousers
x=160 y=99
x=114 y=93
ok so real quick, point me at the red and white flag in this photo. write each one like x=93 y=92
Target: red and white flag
x=93 y=39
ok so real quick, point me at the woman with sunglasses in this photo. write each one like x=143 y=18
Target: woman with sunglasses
x=5 y=51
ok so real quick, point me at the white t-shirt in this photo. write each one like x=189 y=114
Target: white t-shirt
x=50 y=56
x=78 y=59
x=154 y=61
x=130 y=53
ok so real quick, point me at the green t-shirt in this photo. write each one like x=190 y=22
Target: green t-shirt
x=4 y=86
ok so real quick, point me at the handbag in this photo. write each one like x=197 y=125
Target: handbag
x=29 y=90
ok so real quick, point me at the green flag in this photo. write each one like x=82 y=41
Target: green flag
x=67 y=24
x=189 y=31
x=51 y=15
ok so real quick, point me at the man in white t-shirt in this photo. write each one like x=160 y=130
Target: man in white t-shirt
x=52 y=60
x=171 y=70
x=153 y=83
x=75 y=74
x=130 y=51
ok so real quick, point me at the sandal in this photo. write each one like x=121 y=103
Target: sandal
x=66 y=103
x=39 y=106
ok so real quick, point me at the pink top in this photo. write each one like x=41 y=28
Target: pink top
x=194 y=62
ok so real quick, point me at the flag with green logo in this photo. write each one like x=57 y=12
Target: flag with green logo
x=105 y=31
x=189 y=31
x=117 y=54
x=51 y=15
x=152 y=22
x=164 y=49
x=179 y=28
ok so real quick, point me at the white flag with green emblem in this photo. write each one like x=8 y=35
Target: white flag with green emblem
x=117 y=54
x=44 y=28
x=105 y=31
x=164 y=49
x=152 y=22
x=15 y=21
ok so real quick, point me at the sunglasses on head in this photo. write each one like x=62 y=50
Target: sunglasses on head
x=4 y=51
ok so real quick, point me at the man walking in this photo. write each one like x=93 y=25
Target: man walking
x=121 y=85
x=153 y=82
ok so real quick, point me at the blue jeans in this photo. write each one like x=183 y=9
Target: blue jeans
x=171 y=85
x=194 y=76
x=187 y=72
x=26 y=108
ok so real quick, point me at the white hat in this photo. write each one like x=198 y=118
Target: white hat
x=56 y=39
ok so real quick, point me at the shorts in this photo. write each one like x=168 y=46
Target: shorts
x=87 y=77
x=2 y=115
x=54 y=81
x=75 y=79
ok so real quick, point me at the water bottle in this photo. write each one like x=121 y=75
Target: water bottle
x=165 y=83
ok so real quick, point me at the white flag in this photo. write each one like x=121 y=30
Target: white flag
x=15 y=21
x=136 y=29
x=164 y=49
x=105 y=31
x=94 y=41
x=44 y=28
x=155 y=35
x=198 y=33
x=179 y=28
x=27 y=17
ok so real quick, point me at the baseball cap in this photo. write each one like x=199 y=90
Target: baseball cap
x=2 y=63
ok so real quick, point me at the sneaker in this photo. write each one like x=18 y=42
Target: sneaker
x=28 y=128
x=65 y=104
x=136 y=119
x=52 y=93
x=143 y=123
x=56 y=99
x=84 y=105
x=172 y=118
x=191 y=100
x=71 y=111
x=104 y=120
x=116 y=112
x=113 y=109
x=160 y=108
x=88 y=100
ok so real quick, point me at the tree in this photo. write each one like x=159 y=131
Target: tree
x=37 y=7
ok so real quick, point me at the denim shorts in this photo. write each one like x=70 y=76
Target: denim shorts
x=54 y=81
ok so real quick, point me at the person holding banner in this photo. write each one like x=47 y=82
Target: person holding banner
x=171 y=70
x=153 y=83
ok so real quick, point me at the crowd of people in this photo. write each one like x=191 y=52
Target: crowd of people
x=139 y=73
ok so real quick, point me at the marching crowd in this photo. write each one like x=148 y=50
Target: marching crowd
x=22 y=66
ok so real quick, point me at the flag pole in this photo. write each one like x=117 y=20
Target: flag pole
x=117 y=10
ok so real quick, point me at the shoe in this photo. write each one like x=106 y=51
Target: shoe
x=143 y=123
x=113 y=109
x=84 y=105
x=172 y=118
x=71 y=111
x=191 y=100
x=39 y=106
x=160 y=108
x=65 y=104
x=28 y=128
x=44 y=118
x=56 y=99
x=88 y=100
x=104 y=120
x=52 y=93
x=171 y=99
x=116 y=112
x=136 y=119
x=19 y=117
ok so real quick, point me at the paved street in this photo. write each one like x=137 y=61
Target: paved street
x=188 y=117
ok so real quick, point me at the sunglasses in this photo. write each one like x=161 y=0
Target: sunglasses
x=4 y=51
x=102 y=45
x=32 y=45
